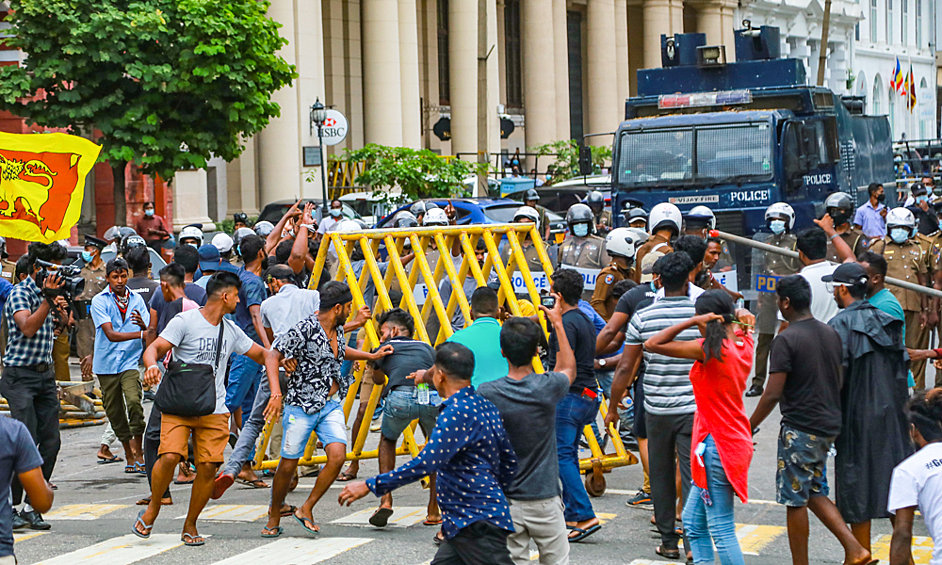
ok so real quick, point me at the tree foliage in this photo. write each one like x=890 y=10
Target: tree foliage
x=167 y=83
x=417 y=173
x=567 y=157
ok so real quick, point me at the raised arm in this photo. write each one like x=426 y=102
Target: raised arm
x=565 y=358
x=662 y=343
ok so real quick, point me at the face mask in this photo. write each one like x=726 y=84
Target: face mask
x=335 y=212
x=193 y=245
x=921 y=199
x=881 y=198
x=840 y=218
x=777 y=226
x=580 y=230
x=899 y=235
x=87 y=257
x=148 y=213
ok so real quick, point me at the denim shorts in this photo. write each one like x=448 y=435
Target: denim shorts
x=328 y=423
x=401 y=408
x=802 y=460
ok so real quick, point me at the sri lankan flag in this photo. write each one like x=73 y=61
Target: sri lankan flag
x=896 y=79
x=910 y=90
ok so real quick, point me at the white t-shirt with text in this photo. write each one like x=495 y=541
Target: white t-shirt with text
x=823 y=306
x=917 y=481
x=194 y=341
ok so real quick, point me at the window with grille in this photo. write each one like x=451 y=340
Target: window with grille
x=512 y=50
x=919 y=24
x=444 y=68
x=904 y=23
x=889 y=21
x=873 y=21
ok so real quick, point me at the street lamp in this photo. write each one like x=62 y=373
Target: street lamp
x=318 y=117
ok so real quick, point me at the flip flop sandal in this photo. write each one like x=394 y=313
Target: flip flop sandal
x=581 y=534
x=381 y=517
x=140 y=520
x=345 y=476
x=112 y=459
x=273 y=532
x=186 y=482
x=257 y=483
x=223 y=482
x=304 y=524
x=193 y=540
x=130 y=470
x=429 y=522
x=438 y=539
x=290 y=511
x=141 y=469
x=670 y=554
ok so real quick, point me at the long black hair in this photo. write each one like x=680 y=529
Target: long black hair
x=925 y=412
x=715 y=302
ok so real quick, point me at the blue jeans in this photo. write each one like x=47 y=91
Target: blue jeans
x=709 y=514
x=244 y=376
x=252 y=425
x=573 y=413
x=328 y=423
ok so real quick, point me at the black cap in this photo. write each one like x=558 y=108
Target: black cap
x=918 y=189
x=116 y=264
x=848 y=273
x=92 y=241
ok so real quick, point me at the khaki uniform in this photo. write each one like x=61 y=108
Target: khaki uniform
x=656 y=247
x=605 y=218
x=855 y=239
x=906 y=262
x=95 y=282
x=533 y=263
x=767 y=315
x=602 y=299
x=584 y=253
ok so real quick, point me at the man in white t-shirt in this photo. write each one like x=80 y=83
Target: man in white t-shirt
x=335 y=217
x=812 y=249
x=193 y=337
x=917 y=481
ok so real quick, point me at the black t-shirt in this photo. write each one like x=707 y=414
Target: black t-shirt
x=408 y=357
x=144 y=287
x=193 y=291
x=635 y=299
x=926 y=222
x=581 y=335
x=809 y=352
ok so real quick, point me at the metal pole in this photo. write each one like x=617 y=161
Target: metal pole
x=482 y=98
x=794 y=255
x=823 y=51
x=320 y=140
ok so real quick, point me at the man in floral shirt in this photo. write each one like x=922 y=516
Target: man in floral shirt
x=317 y=344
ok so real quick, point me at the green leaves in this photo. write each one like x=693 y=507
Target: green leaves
x=567 y=157
x=153 y=76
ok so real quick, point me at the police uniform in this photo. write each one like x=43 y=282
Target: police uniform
x=584 y=253
x=605 y=218
x=656 y=247
x=602 y=299
x=906 y=262
x=855 y=239
x=533 y=262
x=95 y=282
x=767 y=312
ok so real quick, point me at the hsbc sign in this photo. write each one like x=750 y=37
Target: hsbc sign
x=335 y=128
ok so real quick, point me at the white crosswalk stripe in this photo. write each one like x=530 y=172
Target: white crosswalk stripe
x=122 y=550
x=232 y=513
x=296 y=550
x=403 y=517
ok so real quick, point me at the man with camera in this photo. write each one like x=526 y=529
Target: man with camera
x=32 y=312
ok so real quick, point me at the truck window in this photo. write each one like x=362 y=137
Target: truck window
x=730 y=151
x=651 y=156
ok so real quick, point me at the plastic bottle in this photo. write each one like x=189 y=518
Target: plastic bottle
x=423 y=396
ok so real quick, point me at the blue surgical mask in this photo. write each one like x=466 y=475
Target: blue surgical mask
x=148 y=212
x=777 y=226
x=921 y=199
x=87 y=257
x=335 y=212
x=580 y=230
x=899 y=235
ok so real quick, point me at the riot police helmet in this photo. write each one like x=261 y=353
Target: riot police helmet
x=665 y=215
x=781 y=211
x=580 y=220
x=622 y=242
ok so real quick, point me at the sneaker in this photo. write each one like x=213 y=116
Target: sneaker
x=755 y=390
x=35 y=520
x=18 y=522
x=642 y=500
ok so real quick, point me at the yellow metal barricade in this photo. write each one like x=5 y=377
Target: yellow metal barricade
x=448 y=240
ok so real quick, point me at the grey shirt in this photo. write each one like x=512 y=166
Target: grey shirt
x=284 y=310
x=528 y=410
x=408 y=357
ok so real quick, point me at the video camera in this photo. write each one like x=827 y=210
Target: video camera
x=70 y=274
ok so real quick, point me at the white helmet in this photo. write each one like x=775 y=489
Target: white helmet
x=781 y=211
x=347 y=226
x=222 y=242
x=528 y=212
x=623 y=242
x=664 y=215
x=192 y=232
x=640 y=234
x=112 y=233
x=263 y=228
x=900 y=217
x=435 y=217
x=239 y=234
x=704 y=212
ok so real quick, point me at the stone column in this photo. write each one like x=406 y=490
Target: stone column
x=382 y=80
x=601 y=63
x=189 y=200
x=409 y=75
x=660 y=17
x=463 y=75
x=309 y=52
x=621 y=54
x=539 y=77
x=561 y=56
x=715 y=19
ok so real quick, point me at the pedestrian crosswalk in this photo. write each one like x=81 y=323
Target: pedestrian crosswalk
x=122 y=550
x=296 y=550
x=403 y=517
x=921 y=549
x=83 y=511
x=232 y=513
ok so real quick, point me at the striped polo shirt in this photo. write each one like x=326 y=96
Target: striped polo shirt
x=667 y=388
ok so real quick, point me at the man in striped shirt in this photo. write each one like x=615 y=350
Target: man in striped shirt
x=668 y=395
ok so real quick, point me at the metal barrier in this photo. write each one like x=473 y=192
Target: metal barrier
x=466 y=238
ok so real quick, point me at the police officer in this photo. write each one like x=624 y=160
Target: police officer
x=637 y=218
x=699 y=221
x=527 y=214
x=532 y=199
x=779 y=221
x=583 y=250
x=603 y=218
x=620 y=244
x=665 y=220
x=840 y=207
x=418 y=211
x=905 y=260
x=191 y=235
x=94 y=274
x=240 y=220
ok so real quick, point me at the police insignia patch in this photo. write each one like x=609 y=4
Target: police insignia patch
x=609 y=279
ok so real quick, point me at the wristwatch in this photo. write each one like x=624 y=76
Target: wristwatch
x=601 y=362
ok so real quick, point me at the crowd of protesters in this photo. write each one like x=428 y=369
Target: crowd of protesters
x=235 y=334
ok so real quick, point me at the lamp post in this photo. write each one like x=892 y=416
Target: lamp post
x=318 y=117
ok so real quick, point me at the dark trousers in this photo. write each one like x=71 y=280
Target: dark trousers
x=152 y=444
x=668 y=436
x=763 y=347
x=33 y=400
x=480 y=543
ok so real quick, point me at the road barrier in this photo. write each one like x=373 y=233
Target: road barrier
x=390 y=244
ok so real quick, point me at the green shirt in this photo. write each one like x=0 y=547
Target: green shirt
x=483 y=339
x=885 y=301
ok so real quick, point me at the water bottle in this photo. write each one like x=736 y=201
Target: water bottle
x=423 y=396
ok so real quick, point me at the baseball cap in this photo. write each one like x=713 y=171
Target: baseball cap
x=222 y=242
x=847 y=274
x=209 y=258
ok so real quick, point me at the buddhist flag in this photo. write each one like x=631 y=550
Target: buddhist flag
x=42 y=183
x=910 y=90
x=896 y=79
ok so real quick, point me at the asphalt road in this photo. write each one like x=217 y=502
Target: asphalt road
x=94 y=511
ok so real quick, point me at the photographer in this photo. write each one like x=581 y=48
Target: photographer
x=28 y=382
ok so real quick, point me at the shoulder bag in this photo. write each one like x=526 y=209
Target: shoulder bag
x=189 y=389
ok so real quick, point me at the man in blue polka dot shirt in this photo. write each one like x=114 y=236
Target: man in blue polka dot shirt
x=474 y=459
